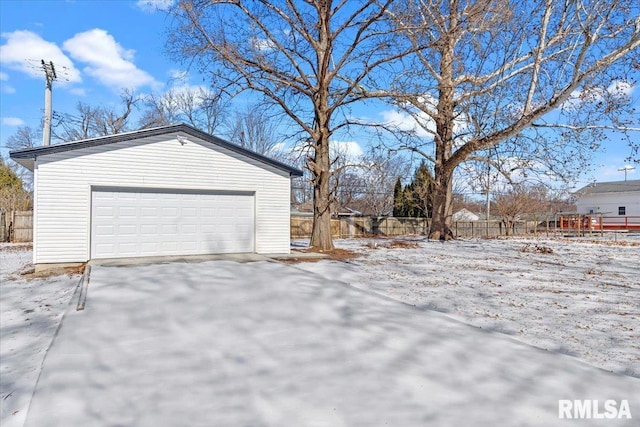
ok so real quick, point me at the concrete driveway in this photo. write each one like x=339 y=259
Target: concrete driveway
x=222 y=343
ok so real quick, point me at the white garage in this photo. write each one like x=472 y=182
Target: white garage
x=166 y=191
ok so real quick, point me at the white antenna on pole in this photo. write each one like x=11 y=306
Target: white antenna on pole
x=50 y=74
x=626 y=169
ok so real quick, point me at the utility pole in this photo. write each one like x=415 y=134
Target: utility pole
x=50 y=74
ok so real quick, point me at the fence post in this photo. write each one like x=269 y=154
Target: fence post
x=2 y=230
x=11 y=225
x=547 y=226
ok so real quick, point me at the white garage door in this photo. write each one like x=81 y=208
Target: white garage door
x=154 y=223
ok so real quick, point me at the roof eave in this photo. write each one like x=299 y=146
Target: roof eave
x=28 y=155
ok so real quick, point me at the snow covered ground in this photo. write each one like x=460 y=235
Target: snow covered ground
x=223 y=343
x=582 y=299
x=30 y=311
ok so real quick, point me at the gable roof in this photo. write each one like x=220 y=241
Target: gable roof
x=609 y=187
x=27 y=156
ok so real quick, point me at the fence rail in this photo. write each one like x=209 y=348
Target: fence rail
x=391 y=226
x=17 y=226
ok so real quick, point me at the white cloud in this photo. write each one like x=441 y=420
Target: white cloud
x=107 y=61
x=12 y=121
x=177 y=95
x=263 y=45
x=406 y=122
x=621 y=87
x=155 y=5
x=24 y=50
x=350 y=150
x=618 y=88
x=79 y=91
x=179 y=75
x=7 y=89
x=614 y=172
x=4 y=76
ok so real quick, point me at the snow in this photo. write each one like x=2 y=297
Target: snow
x=268 y=344
x=264 y=343
x=583 y=299
x=30 y=312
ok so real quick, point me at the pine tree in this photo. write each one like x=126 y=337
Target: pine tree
x=398 y=199
x=422 y=192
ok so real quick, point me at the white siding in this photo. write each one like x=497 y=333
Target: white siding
x=64 y=181
x=608 y=203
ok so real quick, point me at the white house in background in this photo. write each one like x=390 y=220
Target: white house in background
x=465 y=215
x=172 y=190
x=616 y=202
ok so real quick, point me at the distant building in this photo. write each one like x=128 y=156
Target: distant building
x=465 y=215
x=616 y=203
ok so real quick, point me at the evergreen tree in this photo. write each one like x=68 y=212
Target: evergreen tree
x=13 y=196
x=398 y=199
x=421 y=199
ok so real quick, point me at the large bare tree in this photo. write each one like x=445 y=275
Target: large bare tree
x=538 y=81
x=312 y=59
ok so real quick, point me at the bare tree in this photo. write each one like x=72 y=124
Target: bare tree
x=517 y=200
x=311 y=59
x=93 y=121
x=378 y=180
x=201 y=108
x=537 y=80
x=255 y=130
x=25 y=137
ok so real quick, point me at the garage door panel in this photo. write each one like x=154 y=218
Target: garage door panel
x=170 y=212
x=189 y=228
x=149 y=212
x=168 y=229
x=104 y=211
x=189 y=212
x=148 y=223
x=104 y=230
x=124 y=230
x=148 y=229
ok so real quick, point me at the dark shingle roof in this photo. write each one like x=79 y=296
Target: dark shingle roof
x=610 y=187
x=32 y=153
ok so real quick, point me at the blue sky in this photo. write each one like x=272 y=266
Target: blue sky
x=101 y=47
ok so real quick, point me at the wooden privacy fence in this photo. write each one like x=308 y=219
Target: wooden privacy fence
x=16 y=226
x=391 y=226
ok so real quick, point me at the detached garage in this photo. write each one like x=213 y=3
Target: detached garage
x=166 y=191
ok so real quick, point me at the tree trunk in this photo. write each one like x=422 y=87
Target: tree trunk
x=445 y=119
x=321 y=172
x=321 y=232
x=442 y=207
x=321 y=165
